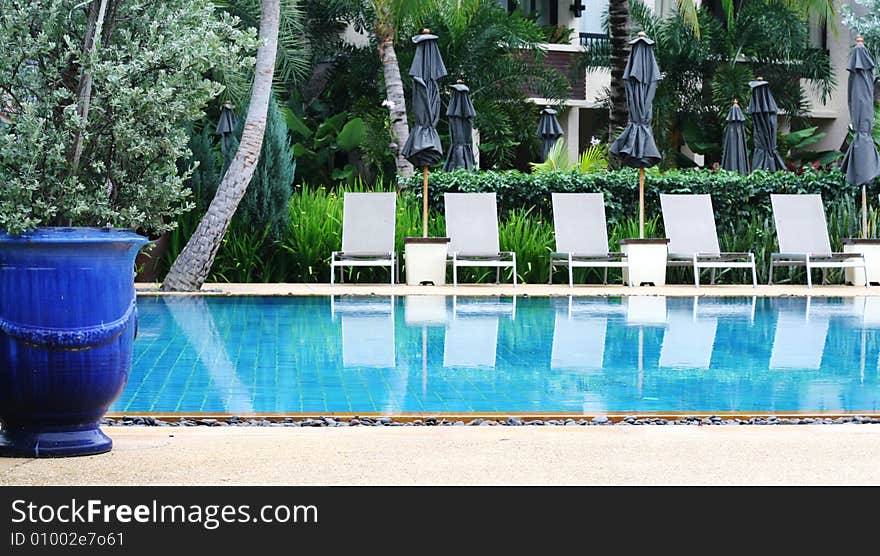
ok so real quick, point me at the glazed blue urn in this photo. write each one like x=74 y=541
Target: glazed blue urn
x=68 y=319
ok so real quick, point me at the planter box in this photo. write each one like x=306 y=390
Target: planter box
x=870 y=249
x=646 y=261
x=425 y=259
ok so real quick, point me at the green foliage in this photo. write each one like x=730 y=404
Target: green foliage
x=264 y=205
x=594 y=159
x=322 y=151
x=734 y=196
x=148 y=75
x=867 y=24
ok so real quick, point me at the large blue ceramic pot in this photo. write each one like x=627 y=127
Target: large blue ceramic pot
x=68 y=319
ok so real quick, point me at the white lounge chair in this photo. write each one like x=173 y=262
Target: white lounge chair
x=582 y=235
x=689 y=222
x=472 y=227
x=367 y=330
x=367 y=233
x=803 y=237
x=471 y=338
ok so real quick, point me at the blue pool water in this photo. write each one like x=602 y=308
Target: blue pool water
x=450 y=355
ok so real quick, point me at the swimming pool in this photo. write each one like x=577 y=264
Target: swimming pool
x=436 y=354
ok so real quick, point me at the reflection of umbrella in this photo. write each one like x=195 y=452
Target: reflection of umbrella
x=635 y=146
x=861 y=163
x=763 y=109
x=461 y=124
x=226 y=125
x=734 y=156
x=549 y=131
x=423 y=146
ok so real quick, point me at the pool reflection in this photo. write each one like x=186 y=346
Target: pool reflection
x=471 y=354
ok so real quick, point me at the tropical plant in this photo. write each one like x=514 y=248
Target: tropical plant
x=191 y=268
x=318 y=150
x=291 y=61
x=594 y=159
x=95 y=98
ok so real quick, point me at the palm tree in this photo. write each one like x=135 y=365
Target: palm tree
x=191 y=268
x=618 y=28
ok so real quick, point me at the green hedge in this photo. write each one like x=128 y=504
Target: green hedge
x=734 y=197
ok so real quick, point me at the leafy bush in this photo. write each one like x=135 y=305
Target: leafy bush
x=144 y=81
x=734 y=197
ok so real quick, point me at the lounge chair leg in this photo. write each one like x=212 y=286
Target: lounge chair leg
x=550 y=276
x=696 y=273
x=754 y=273
x=514 y=270
x=712 y=276
x=570 y=272
x=332 y=274
x=497 y=275
x=809 y=274
x=454 y=274
x=605 y=276
x=770 y=274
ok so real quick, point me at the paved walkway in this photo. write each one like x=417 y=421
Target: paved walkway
x=526 y=289
x=618 y=455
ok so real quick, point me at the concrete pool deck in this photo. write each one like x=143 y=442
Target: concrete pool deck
x=534 y=290
x=645 y=455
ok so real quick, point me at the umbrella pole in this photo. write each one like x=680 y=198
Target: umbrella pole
x=425 y=202
x=641 y=203
x=864 y=212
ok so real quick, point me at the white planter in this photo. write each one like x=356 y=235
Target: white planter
x=646 y=261
x=870 y=249
x=425 y=259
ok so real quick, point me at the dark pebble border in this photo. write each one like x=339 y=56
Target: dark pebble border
x=600 y=420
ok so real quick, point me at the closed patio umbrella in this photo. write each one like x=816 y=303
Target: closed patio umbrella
x=423 y=146
x=862 y=162
x=734 y=155
x=226 y=125
x=549 y=131
x=635 y=146
x=762 y=107
x=461 y=126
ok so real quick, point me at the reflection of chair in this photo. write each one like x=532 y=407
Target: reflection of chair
x=799 y=340
x=581 y=234
x=367 y=330
x=693 y=240
x=689 y=338
x=803 y=237
x=472 y=226
x=472 y=332
x=726 y=307
x=367 y=232
x=579 y=333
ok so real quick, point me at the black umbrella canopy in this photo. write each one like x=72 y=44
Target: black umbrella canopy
x=735 y=155
x=635 y=146
x=423 y=147
x=461 y=115
x=549 y=131
x=862 y=162
x=762 y=107
x=226 y=125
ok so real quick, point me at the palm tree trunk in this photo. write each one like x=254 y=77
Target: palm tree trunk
x=618 y=24
x=393 y=90
x=191 y=268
